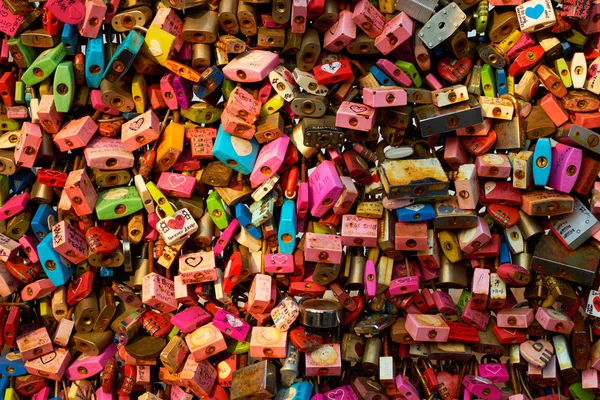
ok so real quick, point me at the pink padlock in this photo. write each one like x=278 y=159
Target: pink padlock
x=404 y=285
x=348 y=197
x=98 y=103
x=14 y=206
x=370 y=280
x=75 y=134
x=493 y=166
x=477 y=129
x=205 y=342
x=159 y=292
x=495 y=372
x=29 y=245
x=69 y=242
x=268 y=342
x=326 y=360
x=50 y=119
x=237 y=126
x=50 y=366
x=269 y=160
x=355 y=116
x=482 y=387
x=28 y=144
x=197 y=267
x=341 y=393
x=480 y=288
x=566 y=164
x=455 y=153
x=259 y=297
x=90 y=26
x=299 y=16
x=325 y=187
x=176 y=185
x=411 y=236
x=184 y=294
x=150 y=232
x=384 y=96
x=324 y=248
x=168 y=91
x=526 y=41
x=190 y=319
x=514 y=317
x=107 y=153
x=443 y=302
x=279 y=263
x=406 y=388
x=395 y=32
x=479 y=319
x=394 y=72
x=167 y=20
x=140 y=131
x=251 y=66
x=85 y=366
x=226 y=236
x=341 y=33
x=359 y=231
x=199 y=377
x=433 y=82
x=34 y=344
x=554 y=109
x=231 y=325
x=242 y=104
x=554 y=321
x=81 y=192
x=427 y=328
x=473 y=239
x=368 y=18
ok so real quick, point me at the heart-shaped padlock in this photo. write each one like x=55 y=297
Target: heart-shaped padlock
x=537 y=353
x=449 y=383
x=454 y=70
x=305 y=341
x=101 y=242
x=157 y=324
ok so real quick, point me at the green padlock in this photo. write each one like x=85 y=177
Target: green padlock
x=64 y=86
x=18 y=225
x=118 y=202
x=8 y=124
x=462 y=301
x=202 y=113
x=44 y=65
x=488 y=81
x=218 y=211
x=237 y=347
x=227 y=87
x=23 y=55
x=4 y=189
x=160 y=199
x=578 y=392
x=562 y=69
x=20 y=93
x=410 y=69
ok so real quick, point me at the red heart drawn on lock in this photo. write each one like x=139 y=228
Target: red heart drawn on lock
x=177 y=222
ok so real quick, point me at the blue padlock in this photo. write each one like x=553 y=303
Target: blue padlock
x=243 y=215
x=94 y=62
x=70 y=38
x=287 y=227
x=21 y=180
x=123 y=57
x=416 y=212
x=501 y=85
x=4 y=384
x=11 y=364
x=105 y=272
x=239 y=154
x=297 y=391
x=542 y=161
x=210 y=80
x=504 y=257
x=381 y=77
x=39 y=221
x=55 y=266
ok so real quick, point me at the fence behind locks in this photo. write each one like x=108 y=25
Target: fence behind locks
x=299 y=199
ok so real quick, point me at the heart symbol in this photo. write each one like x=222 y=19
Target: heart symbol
x=597 y=303
x=193 y=261
x=75 y=13
x=234 y=322
x=176 y=180
x=332 y=67
x=155 y=48
x=136 y=124
x=537 y=353
x=335 y=394
x=51 y=172
x=359 y=349
x=279 y=259
x=177 y=222
x=534 y=12
x=75 y=285
x=358 y=108
x=492 y=368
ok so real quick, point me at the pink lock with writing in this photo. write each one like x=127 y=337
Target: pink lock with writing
x=359 y=231
x=341 y=33
x=197 y=267
x=269 y=160
x=28 y=144
x=279 y=263
x=107 y=153
x=368 y=18
x=384 y=96
x=50 y=119
x=395 y=32
x=325 y=187
x=427 y=328
x=231 y=325
x=355 y=116
x=566 y=164
x=324 y=248
x=69 y=242
x=176 y=185
x=140 y=131
x=75 y=134
x=191 y=318
x=159 y=292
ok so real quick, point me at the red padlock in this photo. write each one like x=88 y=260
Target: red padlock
x=304 y=340
x=157 y=324
x=109 y=375
x=526 y=60
x=351 y=316
x=101 y=242
x=425 y=367
x=51 y=177
x=454 y=70
x=80 y=288
x=23 y=269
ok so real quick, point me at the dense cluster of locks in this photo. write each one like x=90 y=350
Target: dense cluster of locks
x=299 y=199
